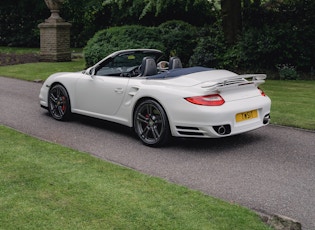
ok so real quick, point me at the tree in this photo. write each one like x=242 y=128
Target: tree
x=19 y=20
x=231 y=19
x=153 y=12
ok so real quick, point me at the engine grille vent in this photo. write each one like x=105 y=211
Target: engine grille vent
x=232 y=82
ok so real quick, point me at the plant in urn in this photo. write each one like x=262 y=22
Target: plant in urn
x=54 y=6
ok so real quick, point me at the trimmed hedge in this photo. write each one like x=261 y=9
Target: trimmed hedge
x=174 y=38
x=113 y=39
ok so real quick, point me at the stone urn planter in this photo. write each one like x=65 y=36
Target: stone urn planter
x=55 y=35
x=54 y=6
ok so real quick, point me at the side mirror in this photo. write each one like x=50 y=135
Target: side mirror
x=90 y=71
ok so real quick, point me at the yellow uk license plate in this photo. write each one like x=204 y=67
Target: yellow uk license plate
x=246 y=115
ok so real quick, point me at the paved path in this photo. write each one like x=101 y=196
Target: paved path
x=271 y=169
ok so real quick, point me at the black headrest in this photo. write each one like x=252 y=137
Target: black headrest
x=148 y=67
x=175 y=63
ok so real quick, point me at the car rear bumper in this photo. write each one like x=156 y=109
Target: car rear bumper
x=220 y=121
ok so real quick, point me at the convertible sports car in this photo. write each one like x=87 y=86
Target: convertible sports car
x=159 y=99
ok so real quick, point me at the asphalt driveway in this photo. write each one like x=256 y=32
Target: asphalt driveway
x=271 y=169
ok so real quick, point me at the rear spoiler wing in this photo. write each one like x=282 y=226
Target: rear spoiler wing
x=237 y=80
x=256 y=78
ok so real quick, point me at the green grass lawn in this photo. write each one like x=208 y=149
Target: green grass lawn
x=18 y=50
x=293 y=103
x=24 y=50
x=47 y=186
x=40 y=70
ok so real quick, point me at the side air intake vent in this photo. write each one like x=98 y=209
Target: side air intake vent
x=189 y=131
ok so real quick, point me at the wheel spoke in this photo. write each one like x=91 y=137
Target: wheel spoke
x=158 y=120
x=145 y=133
x=53 y=106
x=61 y=112
x=58 y=92
x=142 y=118
x=53 y=110
x=53 y=98
x=155 y=133
x=149 y=109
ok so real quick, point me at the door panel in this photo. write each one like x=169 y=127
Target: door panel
x=100 y=94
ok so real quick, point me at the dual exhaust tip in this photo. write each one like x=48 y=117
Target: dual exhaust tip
x=266 y=119
x=226 y=129
x=222 y=129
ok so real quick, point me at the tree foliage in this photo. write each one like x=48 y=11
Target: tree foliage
x=271 y=32
x=18 y=23
x=90 y=16
x=279 y=32
x=155 y=12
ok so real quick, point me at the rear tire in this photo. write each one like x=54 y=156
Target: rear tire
x=59 y=103
x=151 y=124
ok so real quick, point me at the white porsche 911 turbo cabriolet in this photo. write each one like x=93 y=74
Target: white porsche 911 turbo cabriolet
x=159 y=99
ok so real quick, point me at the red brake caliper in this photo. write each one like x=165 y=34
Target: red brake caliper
x=64 y=103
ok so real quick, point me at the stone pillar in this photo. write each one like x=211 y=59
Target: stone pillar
x=54 y=35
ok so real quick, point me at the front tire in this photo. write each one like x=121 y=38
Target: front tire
x=151 y=124
x=59 y=103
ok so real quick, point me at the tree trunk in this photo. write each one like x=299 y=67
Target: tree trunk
x=231 y=19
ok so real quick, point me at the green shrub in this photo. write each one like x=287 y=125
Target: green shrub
x=265 y=47
x=179 y=39
x=287 y=72
x=210 y=48
x=113 y=39
x=259 y=49
x=279 y=32
x=174 y=38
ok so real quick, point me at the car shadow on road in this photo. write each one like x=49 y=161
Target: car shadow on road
x=102 y=124
x=187 y=144
x=217 y=144
x=195 y=144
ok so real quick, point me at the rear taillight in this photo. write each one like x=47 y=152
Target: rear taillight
x=207 y=100
x=261 y=92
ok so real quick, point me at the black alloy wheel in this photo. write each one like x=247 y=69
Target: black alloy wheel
x=59 y=103
x=151 y=123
